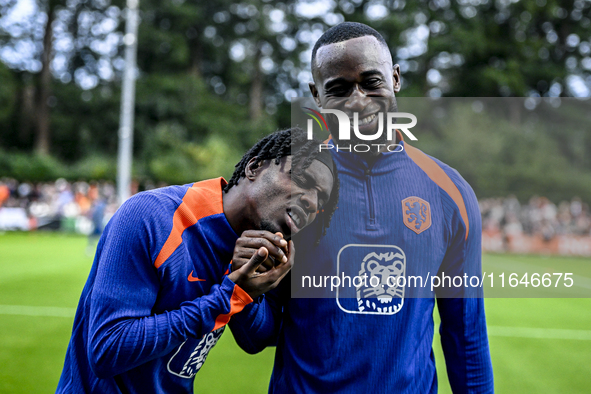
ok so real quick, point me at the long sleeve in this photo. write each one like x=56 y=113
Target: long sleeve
x=257 y=326
x=463 y=324
x=123 y=331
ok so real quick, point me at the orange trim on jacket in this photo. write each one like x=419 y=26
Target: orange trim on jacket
x=238 y=301
x=202 y=199
x=439 y=176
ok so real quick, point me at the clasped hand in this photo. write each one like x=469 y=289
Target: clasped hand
x=260 y=261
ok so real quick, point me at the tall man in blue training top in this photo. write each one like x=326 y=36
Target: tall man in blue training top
x=160 y=290
x=400 y=212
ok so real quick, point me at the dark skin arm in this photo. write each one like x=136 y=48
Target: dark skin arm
x=250 y=277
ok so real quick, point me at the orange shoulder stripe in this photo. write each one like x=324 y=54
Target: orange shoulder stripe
x=202 y=199
x=238 y=301
x=439 y=176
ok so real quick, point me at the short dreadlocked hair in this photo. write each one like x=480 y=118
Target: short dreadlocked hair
x=289 y=142
x=343 y=32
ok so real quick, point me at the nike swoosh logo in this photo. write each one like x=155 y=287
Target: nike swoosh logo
x=194 y=279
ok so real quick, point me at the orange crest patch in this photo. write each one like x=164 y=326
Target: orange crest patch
x=416 y=214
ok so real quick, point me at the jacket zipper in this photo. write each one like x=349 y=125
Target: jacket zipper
x=372 y=214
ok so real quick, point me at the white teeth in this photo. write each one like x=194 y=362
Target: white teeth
x=367 y=119
x=295 y=218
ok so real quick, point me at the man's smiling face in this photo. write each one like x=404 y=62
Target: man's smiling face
x=287 y=202
x=356 y=75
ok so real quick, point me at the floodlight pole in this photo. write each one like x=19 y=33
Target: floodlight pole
x=125 y=154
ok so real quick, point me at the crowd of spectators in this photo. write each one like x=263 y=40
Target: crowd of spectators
x=47 y=205
x=80 y=206
x=539 y=216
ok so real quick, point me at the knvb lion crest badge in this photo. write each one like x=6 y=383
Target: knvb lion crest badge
x=416 y=214
x=376 y=272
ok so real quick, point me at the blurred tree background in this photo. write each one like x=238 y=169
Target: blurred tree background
x=214 y=76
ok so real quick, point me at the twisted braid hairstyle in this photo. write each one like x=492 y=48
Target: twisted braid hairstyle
x=289 y=142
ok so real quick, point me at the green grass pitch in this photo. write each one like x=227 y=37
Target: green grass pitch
x=537 y=345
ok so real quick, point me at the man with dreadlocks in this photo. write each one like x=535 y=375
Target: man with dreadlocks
x=401 y=214
x=162 y=287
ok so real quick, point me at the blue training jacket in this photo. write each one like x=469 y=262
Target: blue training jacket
x=408 y=214
x=157 y=298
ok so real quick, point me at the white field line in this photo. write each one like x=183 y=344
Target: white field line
x=539 y=333
x=41 y=311
x=493 y=331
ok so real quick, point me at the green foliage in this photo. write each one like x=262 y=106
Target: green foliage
x=95 y=167
x=499 y=156
x=31 y=167
x=85 y=123
x=213 y=78
x=186 y=133
x=507 y=48
x=170 y=158
x=186 y=100
x=42 y=168
x=8 y=86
